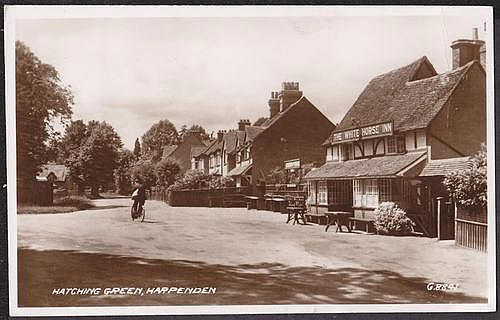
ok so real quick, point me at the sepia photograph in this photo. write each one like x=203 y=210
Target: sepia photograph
x=257 y=159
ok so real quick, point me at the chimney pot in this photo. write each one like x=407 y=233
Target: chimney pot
x=466 y=50
x=274 y=104
x=289 y=94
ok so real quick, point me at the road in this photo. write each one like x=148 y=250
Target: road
x=250 y=257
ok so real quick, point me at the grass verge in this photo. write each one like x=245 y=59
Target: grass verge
x=64 y=205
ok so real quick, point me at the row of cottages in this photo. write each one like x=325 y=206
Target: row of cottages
x=407 y=129
x=294 y=129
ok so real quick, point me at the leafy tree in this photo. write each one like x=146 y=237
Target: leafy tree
x=137 y=149
x=166 y=172
x=162 y=133
x=194 y=128
x=123 y=179
x=469 y=187
x=74 y=134
x=54 y=150
x=145 y=170
x=94 y=162
x=41 y=98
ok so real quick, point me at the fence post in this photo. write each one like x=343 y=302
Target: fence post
x=439 y=207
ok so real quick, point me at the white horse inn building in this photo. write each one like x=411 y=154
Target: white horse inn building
x=405 y=131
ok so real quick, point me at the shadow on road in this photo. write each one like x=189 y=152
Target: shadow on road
x=265 y=283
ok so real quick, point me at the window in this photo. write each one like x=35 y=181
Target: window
x=322 y=192
x=339 y=192
x=311 y=187
x=365 y=193
x=347 y=152
x=396 y=144
x=385 y=192
x=358 y=194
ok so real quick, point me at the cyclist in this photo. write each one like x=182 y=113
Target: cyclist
x=139 y=196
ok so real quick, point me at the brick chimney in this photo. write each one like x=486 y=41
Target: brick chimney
x=220 y=135
x=465 y=50
x=289 y=94
x=274 y=104
x=243 y=124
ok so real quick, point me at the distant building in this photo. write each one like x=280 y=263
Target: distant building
x=183 y=152
x=55 y=174
x=407 y=124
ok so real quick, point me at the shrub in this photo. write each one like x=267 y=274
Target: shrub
x=390 y=219
x=74 y=201
x=468 y=187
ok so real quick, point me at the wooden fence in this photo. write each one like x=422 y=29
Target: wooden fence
x=36 y=193
x=201 y=197
x=471 y=229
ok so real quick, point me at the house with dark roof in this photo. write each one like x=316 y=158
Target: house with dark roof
x=55 y=174
x=294 y=130
x=191 y=144
x=406 y=124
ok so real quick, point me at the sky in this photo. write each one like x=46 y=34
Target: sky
x=214 y=71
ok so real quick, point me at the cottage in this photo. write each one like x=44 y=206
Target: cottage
x=191 y=144
x=401 y=123
x=55 y=174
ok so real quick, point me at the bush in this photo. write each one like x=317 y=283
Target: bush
x=469 y=187
x=390 y=219
x=198 y=179
x=80 y=203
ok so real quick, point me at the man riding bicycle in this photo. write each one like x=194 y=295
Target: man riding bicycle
x=139 y=197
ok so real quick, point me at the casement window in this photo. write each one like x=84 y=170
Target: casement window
x=396 y=144
x=339 y=192
x=311 y=188
x=365 y=193
x=322 y=192
x=347 y=151
x=211 y=161
x=385 y=190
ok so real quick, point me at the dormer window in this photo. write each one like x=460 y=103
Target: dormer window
x=396 y=144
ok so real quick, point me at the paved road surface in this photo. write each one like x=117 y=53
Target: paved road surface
x=252 y=257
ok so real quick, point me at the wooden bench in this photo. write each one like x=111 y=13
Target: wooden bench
x=366 y=221
x=315 y=217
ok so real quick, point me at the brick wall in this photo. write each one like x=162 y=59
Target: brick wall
x=460 y=126
x=298 y=134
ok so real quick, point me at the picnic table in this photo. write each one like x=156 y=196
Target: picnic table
x=296 y=213
x=340 y=218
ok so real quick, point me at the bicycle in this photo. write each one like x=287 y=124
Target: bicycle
x=138 y=216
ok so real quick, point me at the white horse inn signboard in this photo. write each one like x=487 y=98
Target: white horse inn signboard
x=373 y=131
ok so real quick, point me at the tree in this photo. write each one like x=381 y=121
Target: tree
x=145 y=170
x=123 y=178
x=137 y=149
x=194 y=128
x=469 y=187
x=166 y=172
x=94 y=161
x=161 y=134
x=41 y=98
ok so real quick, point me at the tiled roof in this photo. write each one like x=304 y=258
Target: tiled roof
x=444 y=166
x=385 y=166
x=213 y=147
x=252 y=132
x=197 y=150
x=59 y=170
x=239 y=170
x=168 y=150
x=411 y=104
x=230 y=140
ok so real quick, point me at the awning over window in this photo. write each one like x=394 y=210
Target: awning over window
x=444 y=166
x=376 y=167
x=238 y=171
